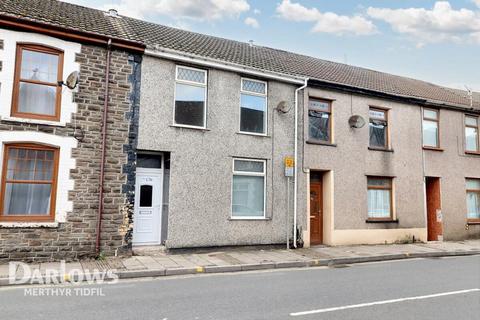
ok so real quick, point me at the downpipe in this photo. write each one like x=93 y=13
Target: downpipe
x=295 y=183
x=103 y=147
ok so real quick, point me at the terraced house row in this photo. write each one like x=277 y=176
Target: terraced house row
x=117 y=132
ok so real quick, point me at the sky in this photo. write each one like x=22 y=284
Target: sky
x=431 y=40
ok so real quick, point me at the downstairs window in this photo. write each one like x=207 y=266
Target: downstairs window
x=248 y=189
x=380 y=198
x=29 y=180
x=473 y=200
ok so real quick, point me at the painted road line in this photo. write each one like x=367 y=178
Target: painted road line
x=368 y=304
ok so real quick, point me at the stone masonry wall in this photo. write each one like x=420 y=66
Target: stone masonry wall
x=75 y=239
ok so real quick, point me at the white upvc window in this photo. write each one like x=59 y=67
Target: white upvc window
x=253 y=106
x=472 y=138
x=248 y=189
x=431 y=137
x=190 y=107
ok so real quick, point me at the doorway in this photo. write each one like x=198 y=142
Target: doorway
x=316 y=207
x=434 y=209
x=147 y=218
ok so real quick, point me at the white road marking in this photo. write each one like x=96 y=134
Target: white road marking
x=368 y=304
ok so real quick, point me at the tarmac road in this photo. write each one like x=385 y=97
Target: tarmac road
x=442 y=288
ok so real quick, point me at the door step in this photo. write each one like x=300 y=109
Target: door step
x=148 y=250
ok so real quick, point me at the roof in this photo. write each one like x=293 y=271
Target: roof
x=73 y=17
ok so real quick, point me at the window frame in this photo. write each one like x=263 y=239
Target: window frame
x=465 y=133
x=53 y=183
x=437 y=121
x=386 y=111
x=392 y=203
x=250 y=174
x=470 y=220
x=330 y=112
x=242 y=91
x=17 y=80
x=195 y=84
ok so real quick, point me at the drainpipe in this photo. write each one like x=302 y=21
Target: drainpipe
x=104 y=139
x=295 y=184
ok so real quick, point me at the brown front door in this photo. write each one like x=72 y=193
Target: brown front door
x=316 y=214
x=434 y=210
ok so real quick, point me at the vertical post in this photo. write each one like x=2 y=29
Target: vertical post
x=287 y=227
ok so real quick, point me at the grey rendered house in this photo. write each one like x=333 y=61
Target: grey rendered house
x=410 y=173
x=199 y=133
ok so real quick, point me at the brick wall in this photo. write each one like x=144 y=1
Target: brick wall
x=75 y=239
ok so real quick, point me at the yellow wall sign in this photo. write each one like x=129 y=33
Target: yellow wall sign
x=289 y=162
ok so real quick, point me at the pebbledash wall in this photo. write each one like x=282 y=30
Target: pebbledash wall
x=73 y=233
x=349 y=161
x=200 y=186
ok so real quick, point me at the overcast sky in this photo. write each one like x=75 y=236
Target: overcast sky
x=436 y=41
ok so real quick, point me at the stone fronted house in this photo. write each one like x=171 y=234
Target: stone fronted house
x=200 y=135
x=52 y=137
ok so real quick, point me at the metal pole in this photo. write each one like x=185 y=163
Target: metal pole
x=288 y=215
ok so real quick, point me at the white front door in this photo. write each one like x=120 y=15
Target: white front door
x=148 y=207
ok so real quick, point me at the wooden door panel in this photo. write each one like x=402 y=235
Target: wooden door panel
x=316 y=214
x=434 y=210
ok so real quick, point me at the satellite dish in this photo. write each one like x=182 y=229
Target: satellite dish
x=283 y=107
x=356 y=122
x=72 y=80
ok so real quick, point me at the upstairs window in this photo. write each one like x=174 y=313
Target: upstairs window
x=29 y=180
x=380 y=198
x=248 y=189
x=36 y=92
x=253 y=106
x=473 y=200
x=190 y=97
x=378 y=128
x=431 y=128
x=319 y=120
x=472 y=141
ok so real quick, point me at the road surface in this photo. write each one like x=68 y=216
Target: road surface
x=445 y=288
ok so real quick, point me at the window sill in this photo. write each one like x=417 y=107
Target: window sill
x=321 y=143
x=254 y=134
x=29 y=224
x=249 y=219
x=189 y=127
x=380 y=149
x=472 y=153
x=381 y=221
x=473 y=221
x=34 y=121
x=433 y=148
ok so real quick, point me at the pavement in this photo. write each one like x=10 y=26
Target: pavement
x=412 y=289
x=148 y=262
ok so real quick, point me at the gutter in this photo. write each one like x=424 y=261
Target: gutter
x=218 y=64
x=103 y=147
x=295 y=183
